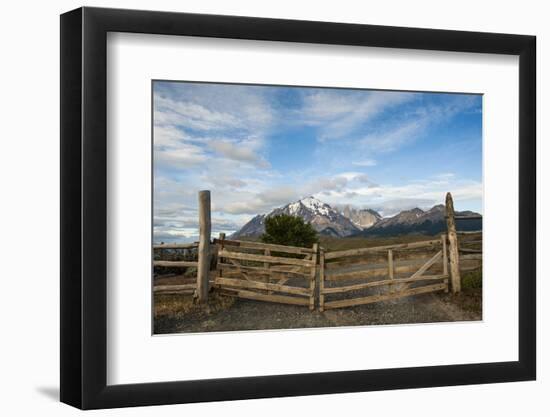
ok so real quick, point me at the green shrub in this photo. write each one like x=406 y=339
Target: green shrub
x=289 y=230
x=472 y=280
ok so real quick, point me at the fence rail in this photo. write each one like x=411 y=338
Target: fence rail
x=393 y=285
x=302 y=276
x=266 y=276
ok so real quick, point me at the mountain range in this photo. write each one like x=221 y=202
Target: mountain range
x=348 y=221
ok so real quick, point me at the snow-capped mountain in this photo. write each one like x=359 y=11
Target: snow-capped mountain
x=349 y=221
x=323 y=218
x=362 y=218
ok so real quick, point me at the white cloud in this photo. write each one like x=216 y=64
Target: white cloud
x=336 y=114
x=240 y=151
x=183 y=156
x=392 y=139
x=214 y=137
x=365 y=163
x=191 y=115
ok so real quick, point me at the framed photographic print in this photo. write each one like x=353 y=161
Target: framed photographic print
x=258 y=207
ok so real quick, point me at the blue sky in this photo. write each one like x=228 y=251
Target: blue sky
x=261 y=147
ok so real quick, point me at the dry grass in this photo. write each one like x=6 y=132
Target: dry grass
x=331 y=243
x=175 y=305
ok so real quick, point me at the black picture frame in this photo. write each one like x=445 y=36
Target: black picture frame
x=84 y=207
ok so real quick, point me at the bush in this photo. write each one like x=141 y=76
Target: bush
x=472 y=280
x=289 y=230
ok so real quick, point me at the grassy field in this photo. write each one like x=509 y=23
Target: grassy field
x=331 y=243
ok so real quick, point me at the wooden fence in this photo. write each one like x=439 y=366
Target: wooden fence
x=393 y=271
x=470 y=248
x=287 y=274
x=266 y=272
x=177 y=256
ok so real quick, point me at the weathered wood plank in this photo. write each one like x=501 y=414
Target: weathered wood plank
x=271 y=246
x=361 y=251
x=223 y=282
x=467 y=250
x=471 y=242
x=262 y=270
x=283 y=281
x=453 y=244
x=262 y=258
x=472 y=257
x=427 y=265
x=175 y=264
x=282 y=299
x=313 y=277
x=377 y=271
x=321 y=280
x=177 y=245
x=159 y=288
x=204 y=246
x=471 y=232
x=383 y=297
x=390 y=268
x=444 y=250
x=362 y=286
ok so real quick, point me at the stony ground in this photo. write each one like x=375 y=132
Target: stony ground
x=176 y=314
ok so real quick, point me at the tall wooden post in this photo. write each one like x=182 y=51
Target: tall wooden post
x=390 y=269
x=322 y=280
x=445 y=261
x=453 y=244
x=313 y=277
x=203 y=269
x=221 y=238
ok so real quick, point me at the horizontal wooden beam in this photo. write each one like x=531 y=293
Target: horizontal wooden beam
x=381 y=258
x=280 y=269
x=475 y=217
x=177 y=246
x=282 y=299
x=182 y=287
x=222 y=282
x=260 y=245
x=356 y=287
x=399 y=268
x=469 y=232
x=466 y=250
x=472 y=257
x=361 y=251
x=383 y=297
x=471 y=242
x=175 y=264
x=263 y=258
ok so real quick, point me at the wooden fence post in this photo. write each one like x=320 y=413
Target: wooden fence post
x=322 y=280
x=453 y=244
x=203 y=269
x=390 y=269
x=445 y=260
x=313 y=277
x=216 y=248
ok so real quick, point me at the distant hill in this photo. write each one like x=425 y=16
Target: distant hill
x=419 y=221
x=349 y=221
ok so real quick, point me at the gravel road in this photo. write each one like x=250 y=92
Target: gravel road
x=257 y=315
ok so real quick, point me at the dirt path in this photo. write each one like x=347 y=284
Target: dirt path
x=256 y=315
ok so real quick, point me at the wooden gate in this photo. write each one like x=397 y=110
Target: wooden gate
x=266 y=272
x=369 y=275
